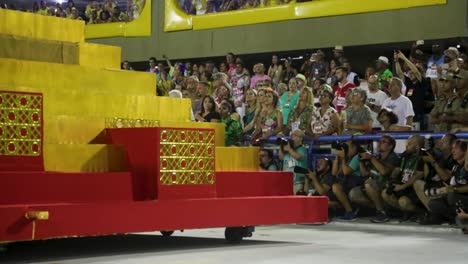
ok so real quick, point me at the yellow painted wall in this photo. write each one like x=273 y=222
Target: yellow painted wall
x=102 y=56
x=23 y=24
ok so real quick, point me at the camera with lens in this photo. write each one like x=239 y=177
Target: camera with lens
x=284 y=141
x=390 y=190
x=339 y=146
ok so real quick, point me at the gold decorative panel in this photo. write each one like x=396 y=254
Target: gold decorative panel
x=187 y=156
x=20 y=124
x=127 y=123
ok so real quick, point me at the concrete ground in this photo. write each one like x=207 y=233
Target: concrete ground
x=357 y=242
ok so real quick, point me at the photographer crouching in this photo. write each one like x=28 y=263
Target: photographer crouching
x=293 y=153
x=346 y=171
x=455 y=194
x=399 y=192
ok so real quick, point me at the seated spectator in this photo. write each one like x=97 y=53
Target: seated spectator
x=318 y=67
x=93 y=18
x=293 y=153
x=301 y=114
x=444 y=88
x=455 y=112
x=251 y=109
x=233 y=114
x=400 y=193
x=457 y=191
x=43 y=10
x=357 y=116
x=281 y=89
x=324 y=119
x=266 y=160
x=223 y=92
x=202 y=91
x=118 y=16
x=104 y=17
x=389 y=121
x=269 y=121
x=126 y=66
x=377 y=168
x=109 y=5
x=75 y=14
x=164 y=83
x=233 y=129
x=347 y=173
x=288 y=100
x=375 y=98
x=320 y=181
x=398 y=103
x=316 y=89
x=208 y=111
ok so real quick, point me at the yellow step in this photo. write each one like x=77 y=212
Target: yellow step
x=23 y=24
x=52 y=76
x=96 y=55
x=63 y=129
x=237 y=158
x=85 y=158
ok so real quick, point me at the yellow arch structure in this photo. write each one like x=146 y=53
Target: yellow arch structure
x=140 y=27
x=175 y=19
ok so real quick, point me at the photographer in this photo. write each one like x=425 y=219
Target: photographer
x=346 y=170
x=455 y=194
x=377 y=168
x=321 y=178
x=266 y=160
x=399 y=192
x=437 y=170
x=292 y=153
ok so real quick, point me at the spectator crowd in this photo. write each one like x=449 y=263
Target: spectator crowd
x=94 y=12
x=201 y=7
x=416 y=181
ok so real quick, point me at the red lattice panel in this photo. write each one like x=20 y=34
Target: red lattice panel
x=21 y=129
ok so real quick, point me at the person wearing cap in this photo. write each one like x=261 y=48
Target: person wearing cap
x=385 y=74
x=260 y=76
x=338 y=54
x=456 y=109
x=342 y=89
x=444 y=91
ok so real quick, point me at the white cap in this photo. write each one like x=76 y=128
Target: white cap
x=339 y=48
x=383 y=59
x=454 y=50
x=175 y=94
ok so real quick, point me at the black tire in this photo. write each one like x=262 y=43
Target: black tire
x=167 y=233
x=234 y=235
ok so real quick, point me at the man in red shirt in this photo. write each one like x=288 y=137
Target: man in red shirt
x=343 y=88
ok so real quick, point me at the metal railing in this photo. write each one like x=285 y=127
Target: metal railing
x=312 y=157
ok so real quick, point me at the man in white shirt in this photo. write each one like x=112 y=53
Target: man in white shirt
x=398 y=103
x=375 y=99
